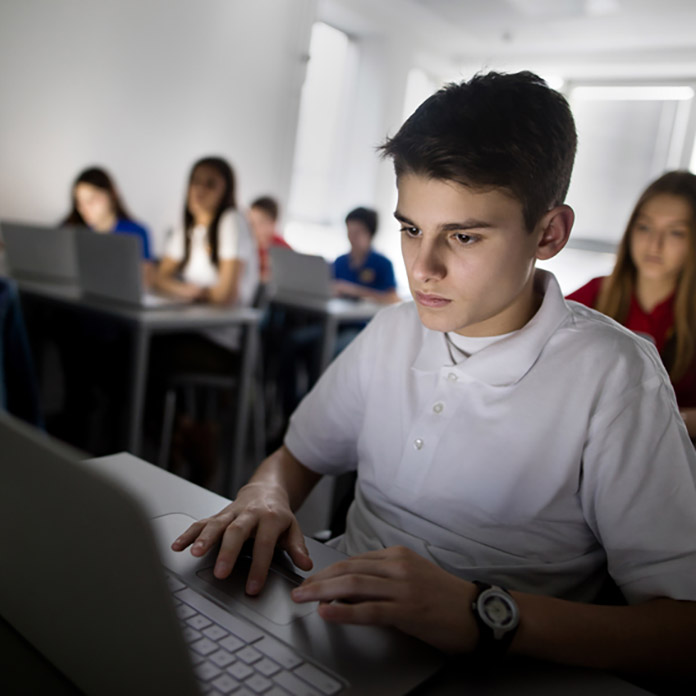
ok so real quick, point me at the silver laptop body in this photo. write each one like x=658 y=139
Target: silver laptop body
x=40 y=253
x=83 y=581
x=303 y=274
x=110 y=268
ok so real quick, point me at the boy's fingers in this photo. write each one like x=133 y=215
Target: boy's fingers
x=188 y=536
x=294 y=544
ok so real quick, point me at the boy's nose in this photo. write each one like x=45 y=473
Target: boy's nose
x=429 y=263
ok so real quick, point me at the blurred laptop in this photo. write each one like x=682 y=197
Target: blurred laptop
x=110 y=268
x=84 y=583
x=39 y=253
x=303 y=274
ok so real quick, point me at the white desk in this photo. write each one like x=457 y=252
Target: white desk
x=143 y=323
x=332 y=312
x=515 y=677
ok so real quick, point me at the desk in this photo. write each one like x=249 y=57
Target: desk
x=517 y=677
x=332 y=312
x=143 y=324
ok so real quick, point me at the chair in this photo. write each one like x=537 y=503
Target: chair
x=19 y=392
x=191 y=386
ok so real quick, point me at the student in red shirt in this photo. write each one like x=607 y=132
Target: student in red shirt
x=263 y=218
x=652 y=289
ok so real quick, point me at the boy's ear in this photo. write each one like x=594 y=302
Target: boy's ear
x=554 y=230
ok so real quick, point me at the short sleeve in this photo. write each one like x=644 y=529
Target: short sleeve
x=174 y=245
x=639 y=493
x=229 y=237
x=387 y=280
x=324 y=429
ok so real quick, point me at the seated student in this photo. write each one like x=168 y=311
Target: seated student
x=652 y=289
x=97 y=205
x=263 y=218
x=363 y=272
x=93 y=416
x=500 y=434
x=210 y=257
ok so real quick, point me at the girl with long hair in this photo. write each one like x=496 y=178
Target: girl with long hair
x=210 y=257
x=97 y=204
x=652 y=289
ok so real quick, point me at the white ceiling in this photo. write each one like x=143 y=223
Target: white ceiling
x=577 y=26
x=642 y=37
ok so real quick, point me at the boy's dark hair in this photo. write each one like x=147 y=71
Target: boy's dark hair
x=497 y=130
x=366 y=216
x=268 y=205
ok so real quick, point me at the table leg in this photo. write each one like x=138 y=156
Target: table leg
x=139 y=363
x=237 y=474
x=328 y=341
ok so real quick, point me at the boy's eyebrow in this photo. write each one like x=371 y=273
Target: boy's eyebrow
x=469 y=224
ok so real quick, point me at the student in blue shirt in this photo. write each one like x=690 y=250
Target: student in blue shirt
x=92 y=415
x=363 y=272
x=97 y=204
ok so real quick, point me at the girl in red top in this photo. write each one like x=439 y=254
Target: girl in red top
x=652 y=289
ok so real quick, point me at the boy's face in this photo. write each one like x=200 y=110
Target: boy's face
x=468 y=255
x=359 y=236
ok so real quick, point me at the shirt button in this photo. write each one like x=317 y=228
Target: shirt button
x=418 y=443
x=452 y=377
x=438 y=407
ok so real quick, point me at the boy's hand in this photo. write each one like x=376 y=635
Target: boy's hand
x=259 y=511
x=396 y=587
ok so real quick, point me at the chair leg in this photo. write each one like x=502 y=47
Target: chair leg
x=167 y=428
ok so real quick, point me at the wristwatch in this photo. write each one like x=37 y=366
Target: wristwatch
x=497 y=616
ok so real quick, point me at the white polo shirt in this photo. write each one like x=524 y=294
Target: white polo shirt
x=535 y=463
x=235 y=241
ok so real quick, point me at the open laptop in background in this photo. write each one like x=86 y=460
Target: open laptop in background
x=300 y=274
x=83 y=581
x=39 y=253
x=110 y=268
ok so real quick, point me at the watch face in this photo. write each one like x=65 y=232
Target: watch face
x=498 y=609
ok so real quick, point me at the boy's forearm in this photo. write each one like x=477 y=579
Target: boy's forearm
x=283 y=469
x=655 y=637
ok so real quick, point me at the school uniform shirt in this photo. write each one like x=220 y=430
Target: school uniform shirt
x=235 y=241
x=537 y=463
x=657 y=325
x=376 y=272
x=133 y=228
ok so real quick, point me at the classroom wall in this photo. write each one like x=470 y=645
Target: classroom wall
x=144 y=87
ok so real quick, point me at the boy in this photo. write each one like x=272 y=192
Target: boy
x=263 y=218
x=363 y=272
x=500 y=435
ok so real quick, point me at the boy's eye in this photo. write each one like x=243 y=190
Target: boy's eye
x=410 y=231
x=678 y=233
x=465 y=239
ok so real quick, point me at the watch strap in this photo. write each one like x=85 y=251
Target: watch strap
x=489 y=645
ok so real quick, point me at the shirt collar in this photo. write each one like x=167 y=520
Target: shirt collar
x=508 y=360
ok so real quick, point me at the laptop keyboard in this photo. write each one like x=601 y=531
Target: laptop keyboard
x=231 y=656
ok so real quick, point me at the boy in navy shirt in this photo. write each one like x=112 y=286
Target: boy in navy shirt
x=363 y=272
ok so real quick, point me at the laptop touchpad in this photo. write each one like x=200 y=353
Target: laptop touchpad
x=273 y=603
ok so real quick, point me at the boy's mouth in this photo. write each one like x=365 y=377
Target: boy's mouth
x=427 y=300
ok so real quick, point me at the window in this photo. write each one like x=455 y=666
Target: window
x=320 y=133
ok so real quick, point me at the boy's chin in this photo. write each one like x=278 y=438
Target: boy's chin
x=437 y=323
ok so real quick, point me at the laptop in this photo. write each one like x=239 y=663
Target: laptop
x=110 y=268
x=89 y=580
x=303 y=274
x=39 y=253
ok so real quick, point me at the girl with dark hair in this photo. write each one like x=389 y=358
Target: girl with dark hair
x=211 y=257
x=652 y=289
x=97 y=204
